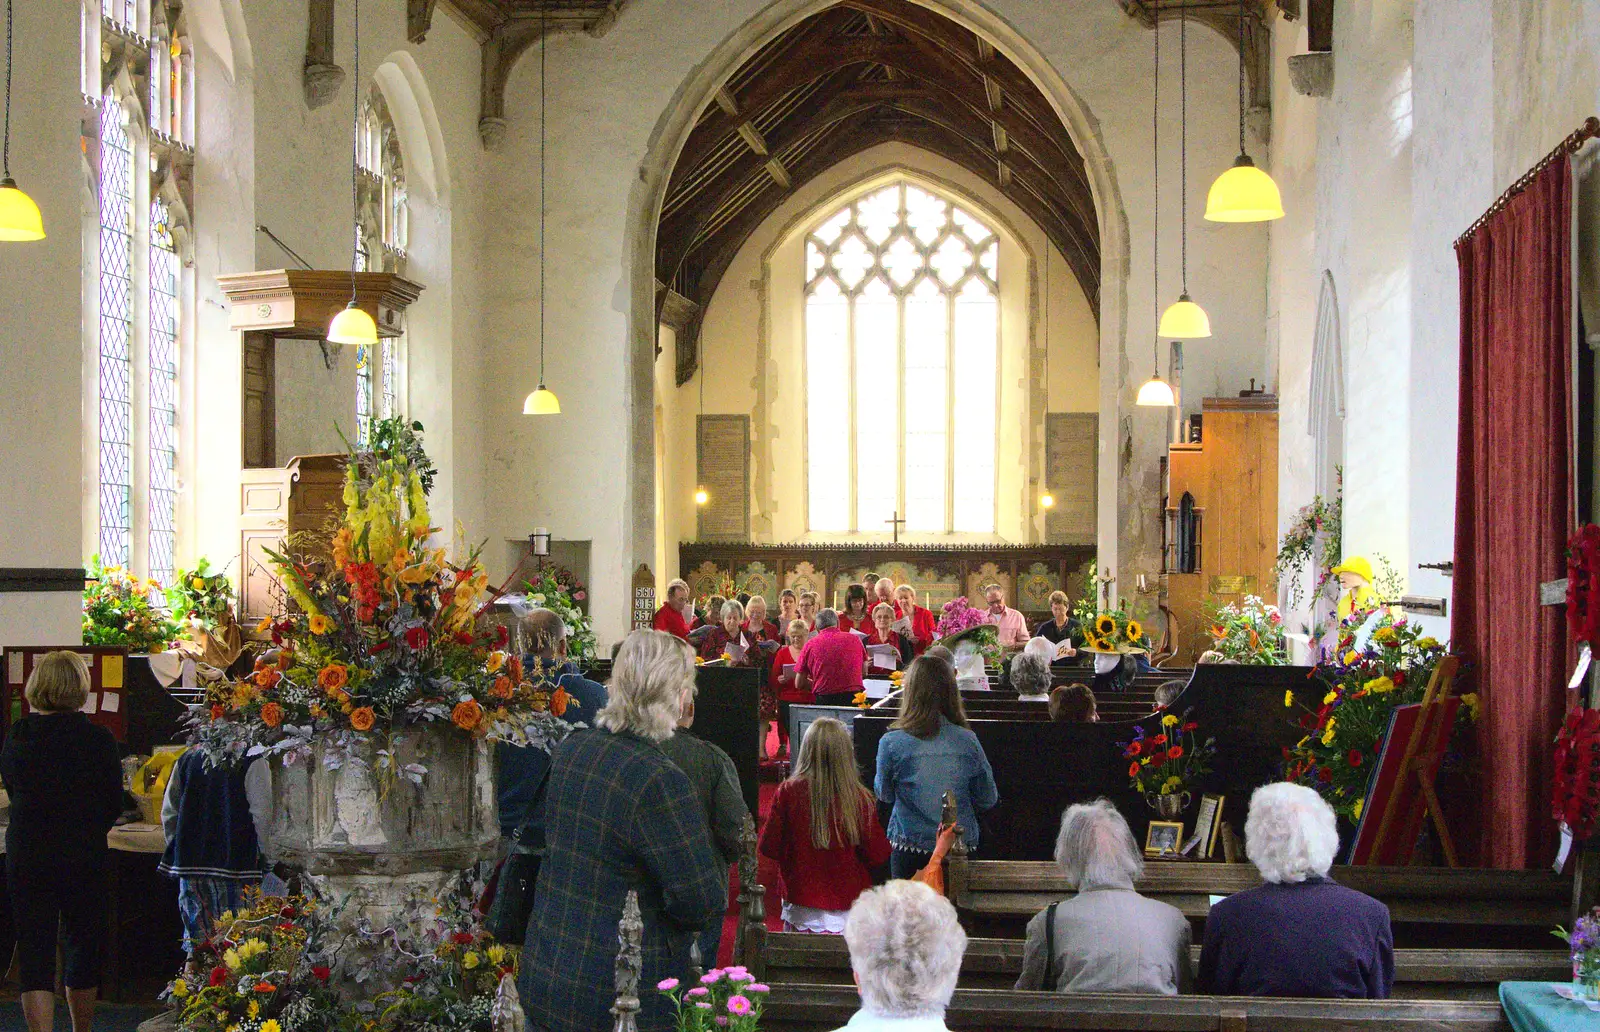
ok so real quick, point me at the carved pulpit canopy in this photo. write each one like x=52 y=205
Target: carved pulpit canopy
x=299 y=303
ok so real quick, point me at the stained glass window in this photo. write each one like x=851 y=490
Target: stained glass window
x=902 y=324
x=382 y=216
x=116 y=335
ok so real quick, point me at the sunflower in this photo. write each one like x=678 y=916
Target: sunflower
x=1105 y=624
x=1134 y=632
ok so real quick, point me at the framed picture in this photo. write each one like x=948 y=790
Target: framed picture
x=1163 y=838
x=1208 y=825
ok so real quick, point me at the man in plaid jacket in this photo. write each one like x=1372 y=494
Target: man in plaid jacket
x=620 y=816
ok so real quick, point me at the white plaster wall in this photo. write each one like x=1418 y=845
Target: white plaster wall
x=607 y=97
x=41 y=396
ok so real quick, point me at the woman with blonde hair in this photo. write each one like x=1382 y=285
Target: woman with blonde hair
x=823 y=832
x=619 y=815
x=65 y=782
x=930 y=750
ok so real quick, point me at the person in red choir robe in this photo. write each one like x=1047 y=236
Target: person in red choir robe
x=856 y=614
x=883 y=593
x=809 y=605
x=923 y=625
x=883 y=633
x=673 y=616
x=756 y=622
x=786 y=684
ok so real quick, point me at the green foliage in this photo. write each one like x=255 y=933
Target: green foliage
x=398 y=438
x=1248 y=632
x=200 y=596
x=1323 y=517
x=117 y=610
x=558 y=589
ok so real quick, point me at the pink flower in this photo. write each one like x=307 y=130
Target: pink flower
x=667 y=984
x=757 y=987
x=579 y=596
x=703 y=1006
x=721 y=1021
x=698 y=990
x=711 y=977
x=739 y=1005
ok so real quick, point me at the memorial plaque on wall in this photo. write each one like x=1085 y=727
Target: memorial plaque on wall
x=644 y=598
x=722 y=463
x=1072 y=440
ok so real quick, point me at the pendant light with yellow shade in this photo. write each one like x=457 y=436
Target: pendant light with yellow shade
x=1243 y=193
x=353 y=325
x=19 y=216
x=543 y=401
x=1156 y=392
x=1184 y=319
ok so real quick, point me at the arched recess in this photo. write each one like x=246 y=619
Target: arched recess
x=220 y=25
x=667 y=143
x=427 y=361
x=1326 y=410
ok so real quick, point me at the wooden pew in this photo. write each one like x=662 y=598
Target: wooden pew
x=1420 y=974
x=1429 y=906
x=814 y=1008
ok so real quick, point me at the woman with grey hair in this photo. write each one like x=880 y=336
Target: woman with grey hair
x=1107 y=938
x=905 y=951
x=1300 y=934
x=1030 y=676
x=618 y=816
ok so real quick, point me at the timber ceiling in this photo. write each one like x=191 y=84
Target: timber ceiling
x=853 y=76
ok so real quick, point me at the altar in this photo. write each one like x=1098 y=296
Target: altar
x=938 y=573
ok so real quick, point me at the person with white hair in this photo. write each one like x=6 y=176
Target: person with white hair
x=905 y=951
x=1107 y=938
x=1030 y=673
x=1300 y=934
x=619 y=815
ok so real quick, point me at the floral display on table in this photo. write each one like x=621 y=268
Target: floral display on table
x=558 y=589
x=1575 y=795
x=1313 y=525
x=1347 y=701
x=382 y=638
x=283 y=965
x=1162 y=766
x=1249 y=633
x=201 y=598
x=117 y=610
x=1584 y=942
x=1115 y=632
x=725 y=998
x=1583 y=584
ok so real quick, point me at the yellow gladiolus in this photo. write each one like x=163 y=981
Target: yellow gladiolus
x=230 y=959
x=1356 y=812
x=1328 y=699
x=470 y=960
x=497 y=953
x=1288 y=699
x=254 y=1010
x=1327 y=732
x=1352 y=658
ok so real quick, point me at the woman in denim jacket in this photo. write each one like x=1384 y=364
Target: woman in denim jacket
x=930 y=750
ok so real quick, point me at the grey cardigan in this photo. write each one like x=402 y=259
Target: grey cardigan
x=716 y=784
x=1110 y=939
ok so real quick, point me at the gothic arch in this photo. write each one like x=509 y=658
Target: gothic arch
x=411 y=107
x=667 y=142
x=1326 y=409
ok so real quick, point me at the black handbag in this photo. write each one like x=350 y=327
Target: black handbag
x=515 y=879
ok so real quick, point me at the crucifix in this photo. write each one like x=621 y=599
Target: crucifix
x=896 y=522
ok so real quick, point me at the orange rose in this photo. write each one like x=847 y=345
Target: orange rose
x=558 y=702
x=272 y=714
x=467 y=715
x=516 y=668
x=361 y=719
x=217 y=711
x=333 y=677
x=267 y=678
x=502 y=687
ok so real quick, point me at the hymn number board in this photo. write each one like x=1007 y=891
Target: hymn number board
x=107 y=683
x=644 y=598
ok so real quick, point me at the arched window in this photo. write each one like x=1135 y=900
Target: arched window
x=139 y=143
x=382 y=216
x=902 y=324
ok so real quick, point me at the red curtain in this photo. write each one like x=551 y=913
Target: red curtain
x=1513 y=505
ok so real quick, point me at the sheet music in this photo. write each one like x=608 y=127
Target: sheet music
x=884 y=657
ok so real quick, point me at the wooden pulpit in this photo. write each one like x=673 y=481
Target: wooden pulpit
x=275 y=505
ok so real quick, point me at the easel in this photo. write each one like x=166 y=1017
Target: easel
x=1429 y=736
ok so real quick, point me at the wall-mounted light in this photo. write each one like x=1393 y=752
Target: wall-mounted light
x=1047 y=501
x=701 y=496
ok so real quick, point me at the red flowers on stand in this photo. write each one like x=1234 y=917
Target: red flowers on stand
x=1583 y=584
x=1577 y=787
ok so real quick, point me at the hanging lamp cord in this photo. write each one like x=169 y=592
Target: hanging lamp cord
x=355 y=151
x=1155 y=213
x=6 y=159
x=1241 y=77
x=1183 y=141
x=544 y=123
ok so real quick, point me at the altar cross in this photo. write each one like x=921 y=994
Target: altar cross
x=896 y=522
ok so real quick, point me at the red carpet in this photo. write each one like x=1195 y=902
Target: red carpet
x=770 y=775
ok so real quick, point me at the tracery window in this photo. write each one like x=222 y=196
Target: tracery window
x=138 y=145
x=382 y=217
x=902 y=326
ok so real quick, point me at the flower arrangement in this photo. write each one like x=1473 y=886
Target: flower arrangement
x=382 y=638
x=1322 y=517
x=957 y=616
x=1169 y=761
x=558 y=589
x=1584 y=942
x=1583 y=584
x=726 y=998
x=1114 y=631
x=1575 y=796
x=1358 y=689
x=1249 y=632
x=199 y=598
x=961 y=624
x=279 y=964
x=117 y=610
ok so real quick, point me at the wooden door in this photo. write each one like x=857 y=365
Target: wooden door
x=258 y=412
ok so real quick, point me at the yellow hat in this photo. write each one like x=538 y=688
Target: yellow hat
x=1357 y=565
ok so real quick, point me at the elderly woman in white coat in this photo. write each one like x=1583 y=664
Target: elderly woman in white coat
x=1107 y=938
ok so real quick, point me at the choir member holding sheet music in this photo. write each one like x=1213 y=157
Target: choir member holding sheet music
x=887 y=649
x=729 y=638
x=756 y=622
x=783 y=676
x=915 y=621
x=855 y=615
